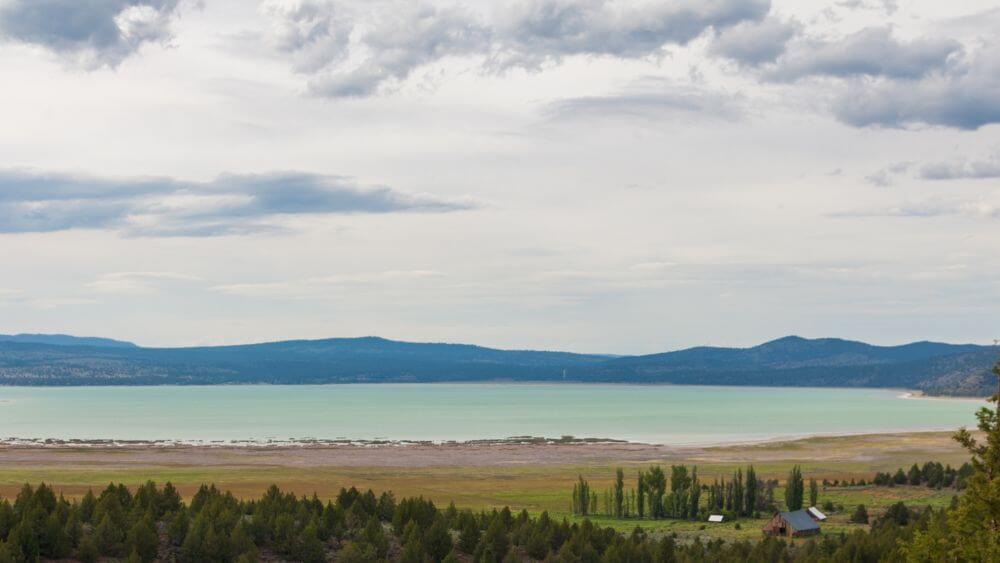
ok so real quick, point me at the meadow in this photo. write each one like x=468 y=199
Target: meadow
x=532 y=477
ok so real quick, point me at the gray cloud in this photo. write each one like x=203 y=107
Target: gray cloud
x=534 y=32
x=869 y=52
x=963 y=95
x=973 y=169
x=887 y=176
x=651 y=98
x=351 y=49
x=888 y=6
x=881 y=80
x=754 y=43
x=953 y=170
x=927 y=209
x=92 y=33
x=228 y=205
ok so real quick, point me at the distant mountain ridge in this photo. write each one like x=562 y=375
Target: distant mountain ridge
x=936 y=368
x=65 y=340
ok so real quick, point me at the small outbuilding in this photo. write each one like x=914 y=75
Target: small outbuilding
x=715 y=518
x=815 y=514
x=793 y=524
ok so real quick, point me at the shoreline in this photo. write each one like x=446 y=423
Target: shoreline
x=920 y=395
x=519 y=441
x=487 y=382
x=314 y=464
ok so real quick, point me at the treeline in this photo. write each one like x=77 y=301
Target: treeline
x=154 y=524
x=744 y=495
x=932 y=474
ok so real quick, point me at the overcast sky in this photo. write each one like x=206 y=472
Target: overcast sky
x=590 y=175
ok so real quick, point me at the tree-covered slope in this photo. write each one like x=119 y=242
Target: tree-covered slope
x=946 y=369
x=65 y=340
x=933 y=367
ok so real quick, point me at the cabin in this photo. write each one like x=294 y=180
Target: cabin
x=815 y=514
x=792 y=524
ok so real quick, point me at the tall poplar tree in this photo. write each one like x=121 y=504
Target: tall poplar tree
x=738 y=491
x=750 y=498
x=640 y=498
x=794 y=489
x=619 y=495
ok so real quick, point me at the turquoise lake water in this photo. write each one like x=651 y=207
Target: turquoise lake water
x=439 y=412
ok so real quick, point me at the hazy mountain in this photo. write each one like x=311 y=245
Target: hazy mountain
x=791 y=361
x=826 y=362
x=65 y=340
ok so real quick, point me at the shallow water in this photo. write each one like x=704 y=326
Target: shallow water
x=664 y=414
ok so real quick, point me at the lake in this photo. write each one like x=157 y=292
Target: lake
x=662 y=414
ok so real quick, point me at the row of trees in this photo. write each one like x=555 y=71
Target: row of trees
x=649 y=498
x=679 y=495
x=741 y=497
x=932 y=474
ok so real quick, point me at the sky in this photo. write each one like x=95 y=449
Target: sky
x=588 y=175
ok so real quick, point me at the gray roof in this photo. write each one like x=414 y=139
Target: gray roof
x=799 y=520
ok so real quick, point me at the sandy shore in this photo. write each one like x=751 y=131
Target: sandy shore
x=494 y=453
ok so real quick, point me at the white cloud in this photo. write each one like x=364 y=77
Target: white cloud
x=137 y=283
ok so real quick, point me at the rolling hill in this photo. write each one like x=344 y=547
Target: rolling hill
x=936 y=368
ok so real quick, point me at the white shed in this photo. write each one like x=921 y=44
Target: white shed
x=816 y=515
x=715 y=518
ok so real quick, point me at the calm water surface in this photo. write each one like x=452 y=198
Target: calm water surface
x=656 y=414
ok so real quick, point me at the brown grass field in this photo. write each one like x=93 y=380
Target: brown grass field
x=532 y=477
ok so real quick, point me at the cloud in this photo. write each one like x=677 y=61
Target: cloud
x=137 y=283
x=754 y=43
x=357 y=49
x=953 y=170
x=964 y=169
x=7 y=295
x=886 y=176
x=889 y=7
x=960 y=95
x=327 y=286
x=228 y=205
x=651 y=98
x=49 y=303
x=91 y=34
x=877 y=79
x=928 y=209
x=870 y=52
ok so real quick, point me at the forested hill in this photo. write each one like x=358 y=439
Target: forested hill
x=936 y=368
x=933 y=367
x=65 y=340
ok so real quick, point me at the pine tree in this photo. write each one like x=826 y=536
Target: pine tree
x=142 y=539
x=468 y=538
x=860 y=515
